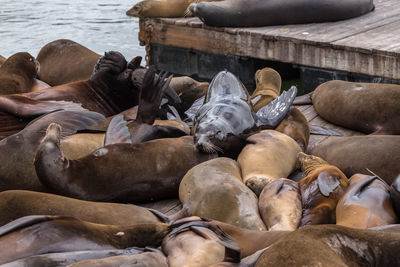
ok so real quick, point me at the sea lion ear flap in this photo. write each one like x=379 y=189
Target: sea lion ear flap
x=117 y=131
x=327 y=183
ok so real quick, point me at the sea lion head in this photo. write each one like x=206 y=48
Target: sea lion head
x=139 y=9
x=22 y=61
x=309 y=162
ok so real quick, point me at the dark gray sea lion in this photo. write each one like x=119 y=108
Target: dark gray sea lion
x=332 y=246
x=365 y=107
x=18 y=73
x=35 y=235
x=65 y=61
x=17 y=152
x=356 y=154
x=238 y=13
x=226 y=118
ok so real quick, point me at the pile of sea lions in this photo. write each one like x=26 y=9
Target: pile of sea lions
x=80 y=157
x=254 y=13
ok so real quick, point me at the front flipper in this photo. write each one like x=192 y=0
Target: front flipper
x=26 y=221
x=117 y=131
x=327 y=183
x=273 y=113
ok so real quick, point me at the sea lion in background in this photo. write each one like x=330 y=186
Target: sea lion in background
x=365 y=204
x=214 y=189
x=395 y=195
x=268 y=87
x=65 y=61
x=365 y=107
x=280 y=205
x=34 y=235
x=145 y=259
x=238 y=13
x=354 y=154
x=226 y=118
x=334 y=245
x=321 y=189
x=18 y=73
x=268 y=156
x=17 y=152
x=15 y=204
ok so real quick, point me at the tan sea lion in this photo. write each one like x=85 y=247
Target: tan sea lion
x=354 y=154
x=268 y=156
x=214 y=190
x=332 y=246
x=65 y=61
x=33 y=235
x=365 y=107
x=15 y=204
x=321 y=189
x=268 y=87
x=145 y=259
x=365 y=204
x=17 y=74
x=280 y=205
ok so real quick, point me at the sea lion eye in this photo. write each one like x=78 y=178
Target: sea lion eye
x=30 y=59
x=137 y=8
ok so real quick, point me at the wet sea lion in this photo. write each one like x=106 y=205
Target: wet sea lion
x=214 y=190
x=226 y=118
x=280 y=205
x=17 y=74
x=268 y=156
x=365 y=107
x=354 y=154
x=321 y=189
x=15 y=204
x=395 y=195
x=238 y=13
x=34 y=235
x=145 y=259
x=268 y=87
x=365 y=204
x=334 y=245
x=17 y=152
x=65 y=61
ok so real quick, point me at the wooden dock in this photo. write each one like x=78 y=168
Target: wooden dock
x=367 y=45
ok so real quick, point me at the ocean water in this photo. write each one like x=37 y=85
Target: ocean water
x=100 y=25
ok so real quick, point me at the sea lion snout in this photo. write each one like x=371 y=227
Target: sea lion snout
x=257 y=184
x=53 y=132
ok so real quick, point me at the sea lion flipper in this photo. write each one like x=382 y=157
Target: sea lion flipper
x=273 y=113
x=117 y=131
x=316 y=129
x=303 y=99
x=135 y=63
x=161 y=216
x=327 y=183
x=25 y=221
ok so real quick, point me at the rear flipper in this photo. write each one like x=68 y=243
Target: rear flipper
x=117 y=131
x=303 y=99
x=273 y=113
x=319 y=130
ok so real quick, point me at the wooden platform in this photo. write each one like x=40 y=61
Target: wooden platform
x=369 y=44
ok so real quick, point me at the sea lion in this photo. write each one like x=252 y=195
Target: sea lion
x=268 y=87
x=238 y=13
x=320 y=190
x=334 y=245
x=17 y=151
x=268 y=156
x=15 y=204
x=364 y=107
x=354 y=154
x=121 y=171
x=365 y=204
x=162 y=8
x=34 y=235
x=214 y=190
x=280 y=205
x=65 y=61
x=2 y=60
x=17 y=74
x=145 y=259
x=39 y=85
x=226 y=118
x=395 y=195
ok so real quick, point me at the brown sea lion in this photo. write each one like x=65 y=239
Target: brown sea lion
x=395 y=195
x=332 y=246
x=214 y=190
x=17 y=74
x=268 y=87
x=145 y=259
x=64 y=61
x=2 y=60
x=320 y=190
x=280 y=205
x=34 y=235
x=17 y=152
x=365 y=204
x=268 y=156
x=354 y=154
x=365 y=107
x=15 y=204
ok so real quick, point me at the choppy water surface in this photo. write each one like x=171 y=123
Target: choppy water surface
x=100 y=25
